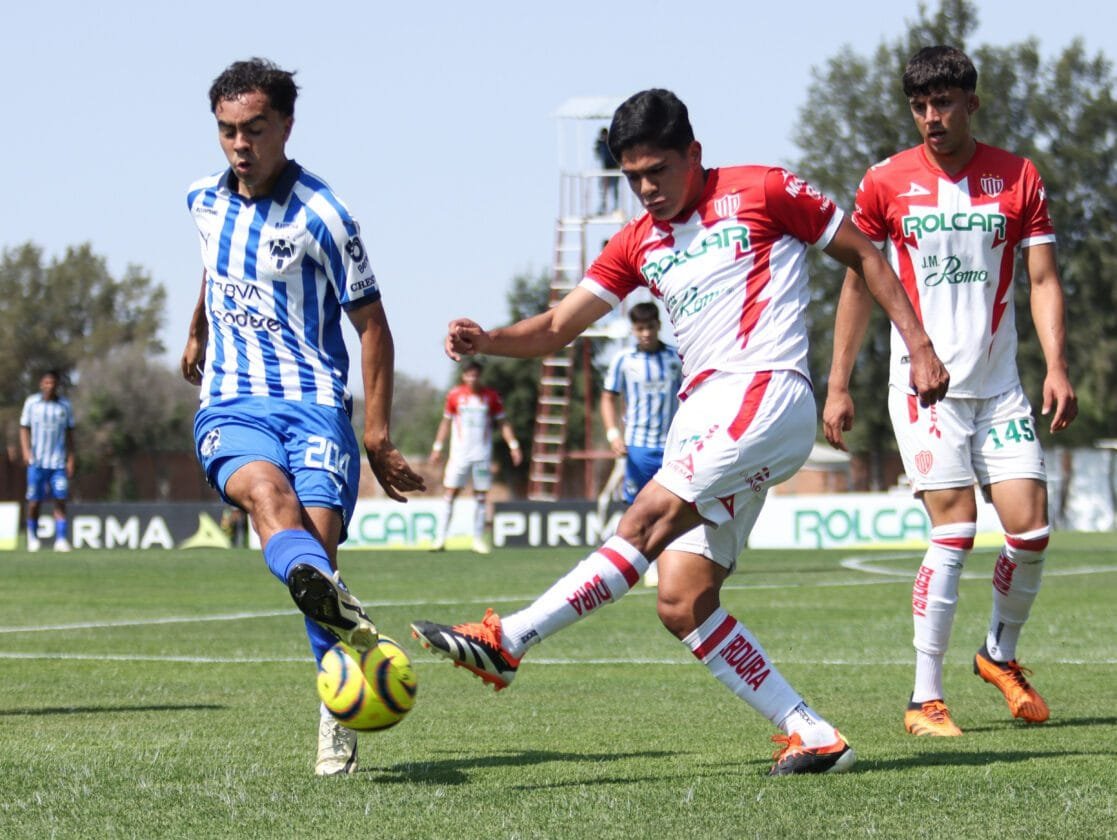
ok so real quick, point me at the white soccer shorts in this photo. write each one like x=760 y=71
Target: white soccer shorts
x=950 y=443
x=733 y=438
x=478 y=473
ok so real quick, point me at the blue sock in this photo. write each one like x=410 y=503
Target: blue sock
x=321 y=639
x=287 y=549
x=60 y=529
x=33 y=527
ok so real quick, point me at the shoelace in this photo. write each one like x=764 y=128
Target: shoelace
x=936 y=712
x=1018 y=673
x=790 y=742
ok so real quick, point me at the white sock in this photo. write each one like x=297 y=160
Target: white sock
x=1016 y=579
x=600 y=579
x=444 y=519
x=737 y=661
x=479 y=518
x=934 y=598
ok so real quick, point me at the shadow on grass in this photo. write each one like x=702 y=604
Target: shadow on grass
x=455 y=771
x=979 y=758
x=94 y=710
x=1054 y=723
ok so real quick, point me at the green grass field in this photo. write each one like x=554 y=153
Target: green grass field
x=156 y=694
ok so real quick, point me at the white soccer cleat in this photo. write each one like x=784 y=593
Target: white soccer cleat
x=337 y=746
x=33 y=543
x=61 y=545
x=480 y=546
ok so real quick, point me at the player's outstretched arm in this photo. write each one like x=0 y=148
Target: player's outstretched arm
x=378 y=357
x=1049 y=317
x=539 y=335
x=849 y=246
x=193 y=360
x=851 y=320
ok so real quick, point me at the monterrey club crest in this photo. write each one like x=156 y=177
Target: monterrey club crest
x=281 y=251
x=726 y=206
x=924 y=461
x=992 y=185
x=211 y=443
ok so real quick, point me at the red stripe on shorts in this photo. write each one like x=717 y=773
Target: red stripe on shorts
x=754 y=394
x=711 y=643
x=623 y=566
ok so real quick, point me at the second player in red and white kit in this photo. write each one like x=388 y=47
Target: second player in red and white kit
x=725 y=250
x=471 y=412
x=952 y=214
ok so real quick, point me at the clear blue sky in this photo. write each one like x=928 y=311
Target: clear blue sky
x=433 y=121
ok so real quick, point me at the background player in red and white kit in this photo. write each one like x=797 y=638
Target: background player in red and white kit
x=724 y=249
x=951 y=214
x=471 y=412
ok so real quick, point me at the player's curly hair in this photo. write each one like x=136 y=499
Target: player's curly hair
x=937 y=68
x=655 y=117
x=243 y=77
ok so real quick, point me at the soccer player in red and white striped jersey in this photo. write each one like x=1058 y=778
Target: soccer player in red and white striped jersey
x=951 y=214
x=724 y=249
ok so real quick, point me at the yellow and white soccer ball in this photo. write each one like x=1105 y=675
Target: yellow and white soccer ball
x=370 y=690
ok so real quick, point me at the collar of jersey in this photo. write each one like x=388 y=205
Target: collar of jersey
x=280 y=192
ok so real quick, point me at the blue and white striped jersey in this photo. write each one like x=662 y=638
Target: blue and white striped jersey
x=279 y=269
x=48 y=421
x=650 y=383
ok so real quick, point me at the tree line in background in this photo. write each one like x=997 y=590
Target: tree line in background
x=101 y=332
x=1060 y=113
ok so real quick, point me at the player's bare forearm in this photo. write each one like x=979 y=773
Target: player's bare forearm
x=929 y=376
x=1049 y=317
x=851 y=320
x=193 y=359
x=539 y=335
x=391 y=470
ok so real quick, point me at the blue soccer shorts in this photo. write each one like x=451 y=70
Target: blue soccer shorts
x=313 y=445
x=45 y=483
x=640 y=465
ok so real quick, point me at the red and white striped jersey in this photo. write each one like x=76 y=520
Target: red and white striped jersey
x=731 y=271
x=952 y=240
x=471 y=418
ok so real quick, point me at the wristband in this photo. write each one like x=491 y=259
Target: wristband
x=513 y=444
x=612 y=434
x=436 y=446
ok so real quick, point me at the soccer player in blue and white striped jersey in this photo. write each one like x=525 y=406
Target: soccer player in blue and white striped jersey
x=649 y=376
x=282 y=260
x=46 y=436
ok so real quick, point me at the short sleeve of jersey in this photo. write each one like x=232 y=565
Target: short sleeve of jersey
x=496 y=407
x=614 y=274
x=1036 y=227
x=614 y=377
x=866 y=213
x=800 y=209
x=344 y=258
x=451 y=407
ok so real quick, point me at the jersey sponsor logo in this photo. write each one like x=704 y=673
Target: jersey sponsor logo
x=248 y=320
x=728 y=236
x=690 y=302
x=727 y=205
x=952 y=273
x=914 y=191
x=992 y=185
x=918 y=225
x=237 y=291
x=282 y=251
x=356 y=251
x=362 y=284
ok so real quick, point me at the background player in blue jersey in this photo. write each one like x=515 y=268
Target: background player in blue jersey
x=649 y=376
x=283 y=260
x=46 y=436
